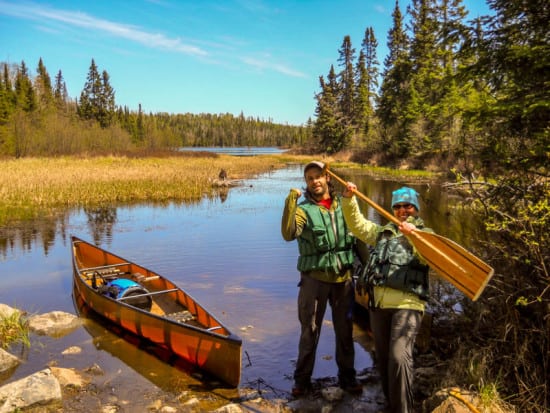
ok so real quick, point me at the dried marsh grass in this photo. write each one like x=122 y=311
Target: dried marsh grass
x=34 y=186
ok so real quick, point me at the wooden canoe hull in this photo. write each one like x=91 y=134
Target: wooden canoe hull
x=201 y=339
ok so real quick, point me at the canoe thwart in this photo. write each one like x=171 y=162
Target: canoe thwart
x=104 y=267
x=171 y=290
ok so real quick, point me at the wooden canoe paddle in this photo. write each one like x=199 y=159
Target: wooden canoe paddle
x=452 y=262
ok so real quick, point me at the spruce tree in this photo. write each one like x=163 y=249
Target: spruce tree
x=25 y=96
x=394 y=92
x=90 y=95
x=367 y=80
x=363 y=108
x=106 y=107
x=517 y=64
x=329 y=130
x=97 y=99
x=346 y=80
x=43 y=85
x=7 y=96
x=60 y=91
x=425 y=79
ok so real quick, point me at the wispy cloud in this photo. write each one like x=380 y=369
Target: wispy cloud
x=265 y=64
x=44 y=14
x=33 y=11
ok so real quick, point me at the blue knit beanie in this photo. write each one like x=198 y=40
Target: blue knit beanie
x=405 y=195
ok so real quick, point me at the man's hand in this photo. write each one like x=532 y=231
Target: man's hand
x=297 y=192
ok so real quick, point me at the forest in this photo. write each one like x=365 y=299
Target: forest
x=37 y=118
x=468 y=98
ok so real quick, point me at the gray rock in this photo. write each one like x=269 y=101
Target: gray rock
x=7 y=311
x=7 y=361
x=38 y=389
x=55 y=323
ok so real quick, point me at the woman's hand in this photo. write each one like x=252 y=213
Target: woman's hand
x=349 y=190
x=406 y=227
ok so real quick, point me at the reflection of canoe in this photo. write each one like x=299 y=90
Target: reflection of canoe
x=155 y=363
x=150 y=306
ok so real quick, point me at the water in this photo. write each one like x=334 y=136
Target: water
x=226 y=251
x=236 y=150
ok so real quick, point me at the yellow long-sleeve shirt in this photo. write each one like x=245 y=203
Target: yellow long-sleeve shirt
x=367 y=231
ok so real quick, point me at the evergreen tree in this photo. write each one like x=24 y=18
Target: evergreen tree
x=329 y=130
x=89 y=97
x=455 y=95
x=140 y=127
x=25 y=97
x=97 y=100
x=43 y=85
x=106 y=107
x=363 y=108
x=517 y=63
x=346 y=80
x=425 y=81
x=7 y=97
x=60 y=91
x=369 y=46
x=394 y=92
x=367 y=81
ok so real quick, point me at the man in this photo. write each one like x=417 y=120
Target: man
x=325 y=264
x=397 y=281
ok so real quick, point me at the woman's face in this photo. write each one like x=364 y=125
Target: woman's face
x=404 y=210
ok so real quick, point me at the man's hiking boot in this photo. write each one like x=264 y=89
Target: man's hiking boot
x=300 y=390
x=352 y=387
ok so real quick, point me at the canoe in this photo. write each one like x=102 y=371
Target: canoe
x=151 y=306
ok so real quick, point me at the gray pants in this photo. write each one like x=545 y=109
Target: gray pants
x=394 y=334
x=312 y=303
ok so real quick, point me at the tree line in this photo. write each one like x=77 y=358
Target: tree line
x=448 y=87
x=37 y=117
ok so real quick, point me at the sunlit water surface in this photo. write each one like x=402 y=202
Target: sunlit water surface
x=225 y=251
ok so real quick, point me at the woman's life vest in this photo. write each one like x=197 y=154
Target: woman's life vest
x=392 y=263
x=325 y=243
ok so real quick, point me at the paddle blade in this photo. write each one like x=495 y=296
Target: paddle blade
x=453 y=263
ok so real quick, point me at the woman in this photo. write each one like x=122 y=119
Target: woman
x=397 y=282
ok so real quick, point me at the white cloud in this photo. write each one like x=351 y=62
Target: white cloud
x=264 y=64
x=154 y=40
x=45 y=15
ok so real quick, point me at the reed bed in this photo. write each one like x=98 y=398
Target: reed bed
x=13 y=329
x=32 y=187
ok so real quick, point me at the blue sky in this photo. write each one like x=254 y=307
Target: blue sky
x=259 y=57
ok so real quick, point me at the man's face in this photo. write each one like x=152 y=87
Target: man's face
x=317 y=183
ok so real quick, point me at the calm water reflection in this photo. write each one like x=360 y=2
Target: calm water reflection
x=226 y=251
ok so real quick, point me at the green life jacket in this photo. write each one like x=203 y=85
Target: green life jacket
x=393 y=264
x=325 y=243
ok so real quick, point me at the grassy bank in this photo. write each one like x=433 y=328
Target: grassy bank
x=33 y=187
